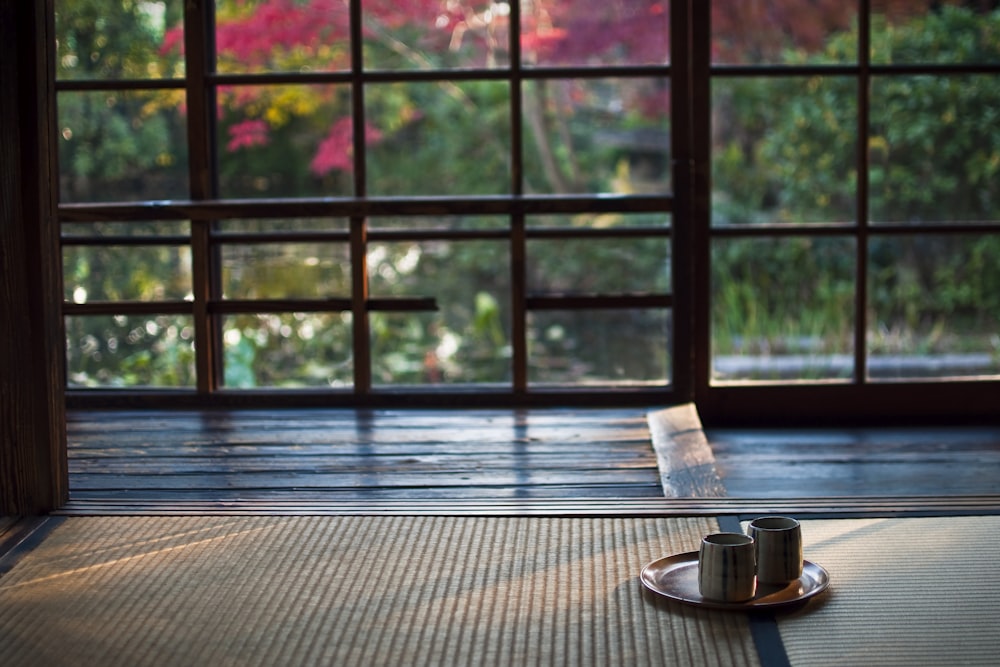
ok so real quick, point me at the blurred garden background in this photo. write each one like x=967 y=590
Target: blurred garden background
x=785 y=151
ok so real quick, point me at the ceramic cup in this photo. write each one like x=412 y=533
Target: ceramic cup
x=726 y=567
x=778 y=547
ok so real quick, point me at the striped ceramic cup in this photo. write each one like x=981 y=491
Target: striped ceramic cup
x=726 y=567
x=778 y=546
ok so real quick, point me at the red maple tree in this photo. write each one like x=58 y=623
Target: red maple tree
x=276 y=35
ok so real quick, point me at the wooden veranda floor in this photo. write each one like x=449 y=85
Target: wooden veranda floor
x=934 y=462
x=506 y=455
x=358 y=455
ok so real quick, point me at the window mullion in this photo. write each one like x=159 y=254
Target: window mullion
x=861 y=285
x=697 y=215
x=519 y=305
x=198 y=41
x=682 y=140
x=518 y=238
x=360 y=322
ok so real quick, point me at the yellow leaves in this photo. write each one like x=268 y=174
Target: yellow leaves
x=326 y=53
x=600 y=221
x=275 y=105
x=878 y=144
x=167 y=99
x=276 y=116
x=305 y=105
x=405 y=113
x=830 y=119
x=622 y=182
x=280 y=104
x=992 y=164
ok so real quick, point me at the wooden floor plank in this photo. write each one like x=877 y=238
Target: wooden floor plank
x=871 y=506
x=264 y=479
x=408 y=455
x=785 y=463
x=316 y=453
x=608 y=492
x=359 y=464
x=178 y=442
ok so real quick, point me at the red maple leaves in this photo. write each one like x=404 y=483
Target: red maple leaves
x=264 y=33
x=582 y=32
x=336 y=151
x=247 y=134
x=756 y=32
x=292 y=35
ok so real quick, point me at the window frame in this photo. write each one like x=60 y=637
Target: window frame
x=690 y=234
x=205 y=208
x=859 y=400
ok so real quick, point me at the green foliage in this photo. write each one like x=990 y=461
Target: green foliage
x=123 y=351
x=782 y=296
x=467 y=339
x=113 y=39
x=288 y=350
x=433 y=135
x=784 y=151
x=121 y=273
x=788 y=154
x=118 y=145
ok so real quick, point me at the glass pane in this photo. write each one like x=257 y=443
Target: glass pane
x=286 y=141
x=935 y=304
x=600 y=220
x=422 y=349
x=784 y=150
x=112 y=40
x=934 y=152
x=783 y=32
x=288 y=350
x=599 y=266
x=435 y=35
x=447 y=138
x=782 y=309
x=269 y=225
x=122 y=145
x=255 y=36
x=126 y=273
x=597 y=135
x=441 y=269
x=935 y=31
x=467 y=340
x=130 y=351
x=580 y=347
x=286 y=271
x=601 y=33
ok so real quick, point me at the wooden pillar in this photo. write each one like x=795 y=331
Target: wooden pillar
x=33 y=477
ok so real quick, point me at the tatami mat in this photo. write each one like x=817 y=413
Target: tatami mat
x=266 y=590
x=920 y=591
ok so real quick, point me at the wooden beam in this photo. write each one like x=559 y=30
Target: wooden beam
x=617 y=507
x=33 y=477
x=683 y=455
